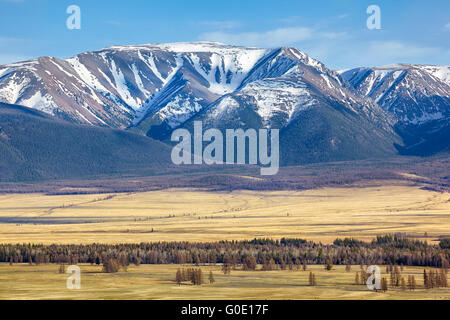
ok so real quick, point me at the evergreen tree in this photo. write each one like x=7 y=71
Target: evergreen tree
x=179 y=277
x=444 y=282
x=384 y=285
x=411 y=283
x=357 y=278
x=403 y=283
x=312 y=279
x=329 y=265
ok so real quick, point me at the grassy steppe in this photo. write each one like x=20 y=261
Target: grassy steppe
x=157 y=282
x=321 y=215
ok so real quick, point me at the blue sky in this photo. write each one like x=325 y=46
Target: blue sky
x=333 y=31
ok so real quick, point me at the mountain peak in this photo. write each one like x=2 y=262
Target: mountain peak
x=415 y=94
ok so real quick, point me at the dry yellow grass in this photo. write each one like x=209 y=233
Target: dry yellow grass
x=157 y=282
x=192 y=215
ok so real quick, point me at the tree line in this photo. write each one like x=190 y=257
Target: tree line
x=271 y=254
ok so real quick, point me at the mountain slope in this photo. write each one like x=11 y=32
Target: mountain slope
x=418 y=96
x=320 y=117
x=35 y=146
x=154 y=89
x=120 y=86
x=414 y=94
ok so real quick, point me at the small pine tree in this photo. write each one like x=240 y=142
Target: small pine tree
x=111 y=265
x=199 y=277
x=329 y=265
x=425 y=279
x=357 y=278
x=363 y=277
x=179 y=277
x=226 y=268
x=403 y=284
x=444 y=282
x=445 y=264
x=411 y=283
x=312 y=279
x=384 y=285
x=297 y=264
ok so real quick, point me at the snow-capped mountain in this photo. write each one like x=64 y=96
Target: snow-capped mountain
x=155 y=88
x=122 y=85
x=320 y=115
x=167 y=84
x=414 y=94
x=286 y=82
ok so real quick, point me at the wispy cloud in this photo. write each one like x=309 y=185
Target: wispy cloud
x=373 y=53
x=333 y=35
x=270 y=38
x=398 y=50
x=11 y=58
x=288 y=36
x=221 y=25
x=447 y=26
x=9 y=41
x=10 y=48
x=293 y=19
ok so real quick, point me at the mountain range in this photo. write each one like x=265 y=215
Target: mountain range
x=322 y=114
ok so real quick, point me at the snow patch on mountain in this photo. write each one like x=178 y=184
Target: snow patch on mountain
x=122 y=88
x=441 y=72
x=42 y=103
x=225 y=106
x=12 y=91
x=179 y=110
x=85 y=75
x=279 y=96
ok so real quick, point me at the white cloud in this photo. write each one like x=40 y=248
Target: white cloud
x=333 y=35
x=12 y=58
x=447 y=26
x=221 y=25
x=343 y=16
x=396 y=49
x=10 y=49
x=7 y=41
x=374 y=53
x=290 y=20
x=272 y=38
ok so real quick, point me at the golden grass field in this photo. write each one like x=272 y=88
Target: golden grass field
x=361 y=211
x=157 y=282
x=322 y=215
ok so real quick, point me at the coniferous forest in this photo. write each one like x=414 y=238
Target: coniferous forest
x=384 y=250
